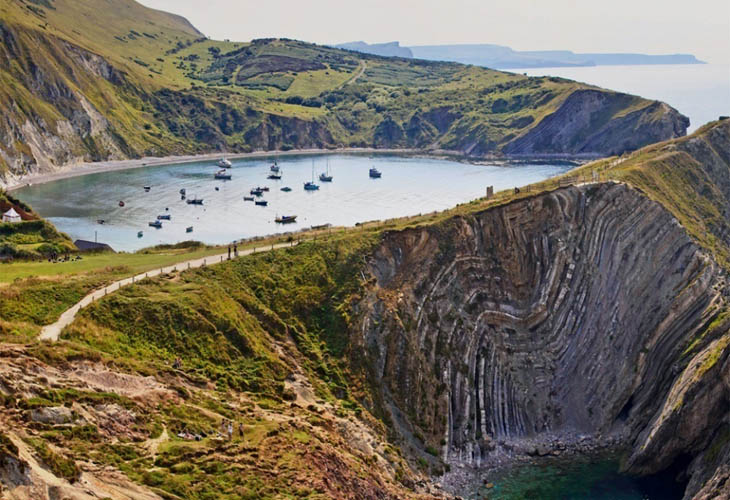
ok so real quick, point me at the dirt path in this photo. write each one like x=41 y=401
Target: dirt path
x=52 y=331
x=363 y=67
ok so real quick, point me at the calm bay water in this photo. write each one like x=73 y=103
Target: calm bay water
x=699 y=91
x=575 y=480
x=409 y=186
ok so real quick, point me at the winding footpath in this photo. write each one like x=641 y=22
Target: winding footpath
x=53 y=331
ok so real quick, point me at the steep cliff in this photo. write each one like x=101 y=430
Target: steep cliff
x=587 y=310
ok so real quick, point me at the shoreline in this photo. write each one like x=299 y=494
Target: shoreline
x=87 y=168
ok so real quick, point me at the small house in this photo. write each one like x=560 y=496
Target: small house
x=11 y=216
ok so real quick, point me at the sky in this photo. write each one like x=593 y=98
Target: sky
x=699 y=27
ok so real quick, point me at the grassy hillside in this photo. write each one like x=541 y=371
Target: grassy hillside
x=98 y=79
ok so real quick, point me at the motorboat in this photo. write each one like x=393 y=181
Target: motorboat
x=163 y=217
x=375 y=173
x=189 y=229
x=257 y=191
x=195 y=201
x=157 y=224
x=224 y=163
x=261 y=203
x=274 y=176
x=223 y=175
x=248 y=198
x=217 y=188
x=286 y=189
x=286 y=219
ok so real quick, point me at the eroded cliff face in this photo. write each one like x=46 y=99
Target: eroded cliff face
x=580 y=311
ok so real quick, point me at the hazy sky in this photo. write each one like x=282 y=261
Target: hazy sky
x=699 y=27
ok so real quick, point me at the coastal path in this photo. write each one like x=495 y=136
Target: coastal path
x=51 y=332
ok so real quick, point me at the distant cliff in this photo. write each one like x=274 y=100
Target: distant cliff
x=390 y=49
x=502 y=57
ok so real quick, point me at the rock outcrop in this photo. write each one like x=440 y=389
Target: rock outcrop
x=580 y=311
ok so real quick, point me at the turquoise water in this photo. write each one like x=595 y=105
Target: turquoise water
x=579 y=480
x=409 y=186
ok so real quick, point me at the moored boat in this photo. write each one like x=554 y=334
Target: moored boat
x=182 y=191
x=261 y=203
x=157 y=224
x=326 y=176
x=195 y=201
x=121 y=203
x=139 y=234
x=375 y=173
x=163 y=217
x=223 y=175
x=286 y=189
x=224 y=163
x=286 y=219
x=274 y=167
x=310 y=185
x=248 y=198
x=257 y=191
x=147 y=189
x=273 y=176
x=189 y=229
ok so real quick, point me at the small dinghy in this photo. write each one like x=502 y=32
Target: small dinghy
x=217 y=188
x=121 y=203
x=261 y=203
x=182 y=191
x=286 y=219
x=286 y=189
x=147 y=189
x=156 y=224
x=248 y=198
x=139 y=234
x=163 y=217
x=189 y=229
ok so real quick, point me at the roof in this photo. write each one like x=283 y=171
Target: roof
x=11 y=213
x=85 y=246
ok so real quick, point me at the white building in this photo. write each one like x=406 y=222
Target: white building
x=11 y=216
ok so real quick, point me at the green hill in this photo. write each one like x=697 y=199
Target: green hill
x=111 y=79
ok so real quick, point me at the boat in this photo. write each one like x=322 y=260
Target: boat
x=182 y=196
x=121 y=203
x=139 y=234
x=223 y=175
x=156 y=224
x=375 y=173
x=326 y=177
x=224 y=163
x=182 y=191
x=276 y=177
x=163 y=217
x=286 y=189
x=265 y=188
x=248 y=198
x=147 y=189
x=262 y=203
x=195 y=201
x=310 y=185
x=274 y=167
x=100 y=221
x=286 y=219
x=189 y=229
x=257 y=191
x=217 y=188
